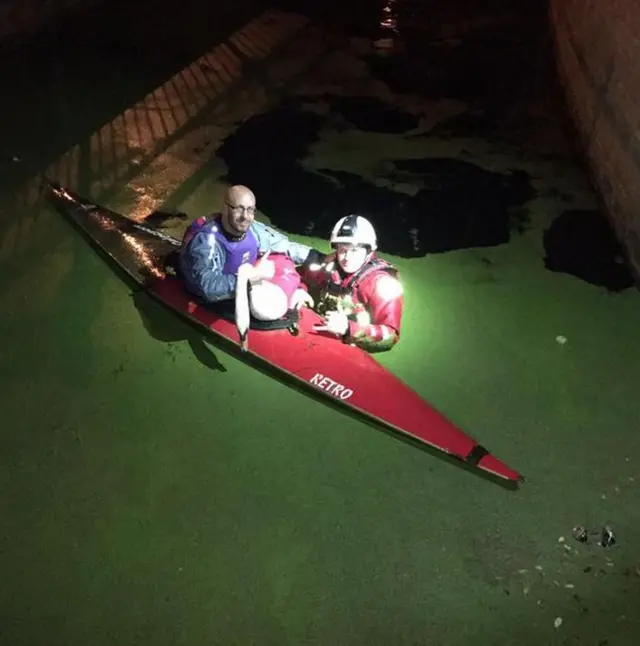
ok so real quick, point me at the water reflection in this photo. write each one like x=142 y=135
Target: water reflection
x=140 y=255
x=388 y=19
x=388 y=28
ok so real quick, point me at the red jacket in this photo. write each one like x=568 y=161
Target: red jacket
x=372 y=298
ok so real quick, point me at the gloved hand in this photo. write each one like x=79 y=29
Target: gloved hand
x=301 y=298
x=316 y=260
x=335 y=322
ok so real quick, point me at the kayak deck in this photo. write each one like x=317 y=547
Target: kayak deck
x=344 y=373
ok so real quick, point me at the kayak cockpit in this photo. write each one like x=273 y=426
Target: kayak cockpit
x=226 y=309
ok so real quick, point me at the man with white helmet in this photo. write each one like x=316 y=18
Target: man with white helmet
x=360 y=294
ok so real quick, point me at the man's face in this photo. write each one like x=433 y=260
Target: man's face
x=350 y=257
x=239 y=214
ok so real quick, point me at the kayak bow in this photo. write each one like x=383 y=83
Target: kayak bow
x=343 y=373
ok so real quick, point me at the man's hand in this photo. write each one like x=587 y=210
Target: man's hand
x=335 y=322
x=300 y=299
x=264 y=269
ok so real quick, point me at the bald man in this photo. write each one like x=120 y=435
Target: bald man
x=214 y=247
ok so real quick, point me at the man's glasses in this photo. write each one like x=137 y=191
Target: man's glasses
x=249 y=210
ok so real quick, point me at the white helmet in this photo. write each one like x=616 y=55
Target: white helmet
x=356 y=230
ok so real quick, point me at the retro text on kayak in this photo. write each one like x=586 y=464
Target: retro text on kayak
x=330 y=386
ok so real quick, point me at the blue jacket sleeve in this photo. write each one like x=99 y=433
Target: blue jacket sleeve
x=270 y=239
x=201 y=264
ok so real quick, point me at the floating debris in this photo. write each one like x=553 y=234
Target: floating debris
x=561 y=339
x=580 y=534
x=561 y=539
x=569 y=586
x=415 y=238
x=557 y=622
x=539 y=568
x=608 y=539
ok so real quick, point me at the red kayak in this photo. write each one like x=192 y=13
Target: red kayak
x=345 y=374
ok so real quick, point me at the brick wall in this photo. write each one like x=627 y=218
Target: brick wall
x=598 y=56
x=23 y=19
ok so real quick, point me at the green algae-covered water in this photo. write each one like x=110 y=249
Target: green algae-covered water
x=156 y=490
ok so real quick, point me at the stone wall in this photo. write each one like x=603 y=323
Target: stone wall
x=24 y=19
x=598 y=57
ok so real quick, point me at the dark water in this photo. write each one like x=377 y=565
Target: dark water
x=472 y=123
x=455 y=204
x=493 y=65
x=463 y=205
x=476 y=70
x=458 y=204
x=373 y=115
x=582 y=243
x=481 y=55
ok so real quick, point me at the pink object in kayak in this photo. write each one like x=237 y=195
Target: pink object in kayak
x=272 y=299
